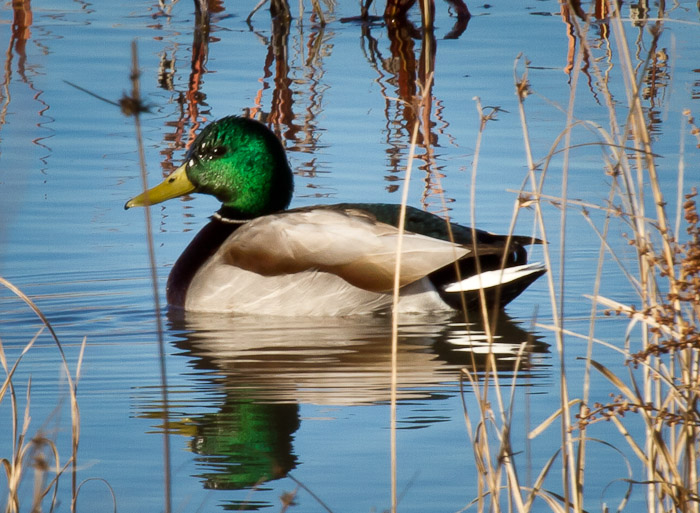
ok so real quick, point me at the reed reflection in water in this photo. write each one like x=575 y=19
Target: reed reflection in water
x=292 y=82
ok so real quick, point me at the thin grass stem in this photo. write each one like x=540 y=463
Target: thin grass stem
x=136 y=98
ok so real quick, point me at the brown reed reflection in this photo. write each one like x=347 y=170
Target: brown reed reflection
x=578 y=23
x=281 y=113
x=21 y=23
x=191 y=101
x=571 y=12
x=410 y=73
x=298 y=130
x=654 y=70
x=400 y=8
x=22 y=19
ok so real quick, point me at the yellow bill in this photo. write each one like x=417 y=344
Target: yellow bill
x=176 y=184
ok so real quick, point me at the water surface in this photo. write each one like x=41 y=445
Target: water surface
x=256 y=405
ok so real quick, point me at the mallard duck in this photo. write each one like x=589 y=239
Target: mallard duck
x=256 y=257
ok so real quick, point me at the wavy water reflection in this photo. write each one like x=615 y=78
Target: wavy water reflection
x=256 y=372
x=344 y=361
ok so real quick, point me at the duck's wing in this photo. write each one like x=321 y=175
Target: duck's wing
x=426 y=223
x=496 y=264
x=347 y=242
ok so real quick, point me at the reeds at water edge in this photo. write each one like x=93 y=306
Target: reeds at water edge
x=39 y=452
x=655 y=390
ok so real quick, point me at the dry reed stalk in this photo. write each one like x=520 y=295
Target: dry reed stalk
x=533 y=199
x=498 y=466
x=395 y=299
x=24 y=449
x=479 y=437
x=671 y=390
x=310 y=492
x=668 y=363
x=109 y=488
x=133 y=106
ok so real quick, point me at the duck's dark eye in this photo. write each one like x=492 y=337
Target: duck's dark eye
x=217 y=151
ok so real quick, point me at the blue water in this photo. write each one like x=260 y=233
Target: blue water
x=249 y=397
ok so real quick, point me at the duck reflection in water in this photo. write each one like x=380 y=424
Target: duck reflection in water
x=242 y=444
x=256 y=373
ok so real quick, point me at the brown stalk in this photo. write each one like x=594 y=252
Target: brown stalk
x=133 y=106
x=395 y=314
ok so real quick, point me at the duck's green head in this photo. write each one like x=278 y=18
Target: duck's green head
x=237 y=160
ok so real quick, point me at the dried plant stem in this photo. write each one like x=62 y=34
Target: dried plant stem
x=522 y=89
x=14 y=469
x=483 y=119
x=395 y=313
x=664 y=393
x=136 y=98
x=396 y=290
x=481 y=390
x=573 y=475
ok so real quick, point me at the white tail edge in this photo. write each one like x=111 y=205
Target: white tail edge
x=489 y=279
